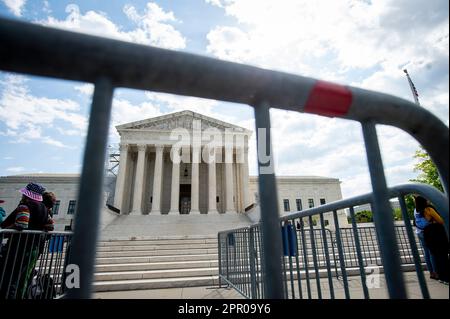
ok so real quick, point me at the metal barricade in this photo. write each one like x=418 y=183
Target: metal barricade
x=42 y=51
x=33 y=263
x=320 y=262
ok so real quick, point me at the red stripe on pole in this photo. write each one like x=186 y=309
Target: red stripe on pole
x=328 y=99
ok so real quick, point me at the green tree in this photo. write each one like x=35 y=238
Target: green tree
x=428 y=174
x=428 y=170
x=364 y=216
x=409 y=200
x=398 y=214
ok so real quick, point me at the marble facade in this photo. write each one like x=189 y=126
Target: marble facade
x=182 y=163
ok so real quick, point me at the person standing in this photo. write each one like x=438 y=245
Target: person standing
x=49 y=200
x=30 y=214
x=432 y=236
x=2 y=212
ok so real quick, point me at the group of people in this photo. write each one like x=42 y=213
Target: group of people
x=433 y=238
x=33 y=212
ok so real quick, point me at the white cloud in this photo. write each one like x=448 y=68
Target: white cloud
x=15 y=169
x=179 y=103
x=46 y=7
x=69 y=132
x=217 y=3
x=51 y=141
x=153 y=26
x=363 y=43
x=316 y=37
x=8 y=158
x=124 y=111
x=15 y=6
x=26 y=123
x=85 y=89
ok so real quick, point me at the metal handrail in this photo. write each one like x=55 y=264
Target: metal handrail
x=33 y=263
x=15 y=231
x=432 y=194
x=34 y=49
x=438 y=199
x=38 y=50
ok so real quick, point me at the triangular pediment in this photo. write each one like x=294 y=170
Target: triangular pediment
x=183 y=119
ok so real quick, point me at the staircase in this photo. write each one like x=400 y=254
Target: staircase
x=162 y=262
x=192 y=260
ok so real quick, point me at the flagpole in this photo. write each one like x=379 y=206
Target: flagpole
x=413 y=88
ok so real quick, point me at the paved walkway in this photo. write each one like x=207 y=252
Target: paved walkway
x=173 y=293
x=437 y=291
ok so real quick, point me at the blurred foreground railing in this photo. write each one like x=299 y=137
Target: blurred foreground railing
x=33 y=264
x=37 y=50
x=319 y=262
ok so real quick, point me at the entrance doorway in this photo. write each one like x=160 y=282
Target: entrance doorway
x=185 y=199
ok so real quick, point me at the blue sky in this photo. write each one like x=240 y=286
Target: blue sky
x=361 y=43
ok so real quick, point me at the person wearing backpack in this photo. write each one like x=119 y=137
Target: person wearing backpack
x=431 y=232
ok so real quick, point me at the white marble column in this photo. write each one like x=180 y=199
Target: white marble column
x=139 y=181
x=157 y=180
x=120 y=182
x=195 y=181
x=229 y=190
x=244 y=176
x=175 y=191
x=212 y=204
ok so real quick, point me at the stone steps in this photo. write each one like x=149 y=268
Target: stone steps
x=155 y=247
x=120 y=285
x=148 y=259
x=156 y=263
x=160 y=241
x=157 y=252
x=155 y=274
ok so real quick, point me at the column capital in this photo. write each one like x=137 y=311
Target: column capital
x=159 y=147
x=124 y=146
x=142 y=147
x=242 y=149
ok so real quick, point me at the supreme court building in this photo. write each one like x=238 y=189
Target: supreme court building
x=210 y=174
x=211 y=178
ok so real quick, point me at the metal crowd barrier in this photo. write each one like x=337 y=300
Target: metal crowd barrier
x=33 y=264
x=317 y=256
x=42 y=51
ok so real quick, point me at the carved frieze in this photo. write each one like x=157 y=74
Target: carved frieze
x=185 y=122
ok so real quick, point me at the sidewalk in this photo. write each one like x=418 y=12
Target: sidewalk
x=437 y=291
x=172 y=293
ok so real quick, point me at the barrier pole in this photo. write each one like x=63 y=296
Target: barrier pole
x=383 y=215
x=271 y=235
x=90 y=196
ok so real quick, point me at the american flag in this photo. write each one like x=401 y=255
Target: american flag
x=413 y=88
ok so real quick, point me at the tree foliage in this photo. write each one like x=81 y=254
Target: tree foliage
x=428 y=170
x=364 y=216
